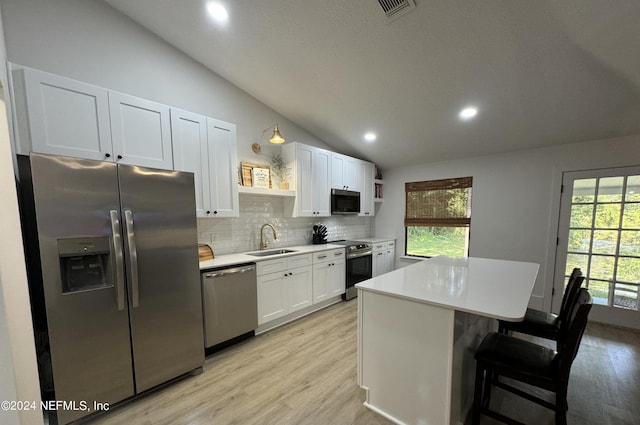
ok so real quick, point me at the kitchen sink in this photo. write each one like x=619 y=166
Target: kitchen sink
x=270 y=252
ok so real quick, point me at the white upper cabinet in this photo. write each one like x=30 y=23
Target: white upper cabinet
x=353 y=174
x=367 y=205
x=207 y=148
x=223 y=175
x=140 y=131
x=312 y=172
x=346 y=172
x=61 y=116
x=189 y=134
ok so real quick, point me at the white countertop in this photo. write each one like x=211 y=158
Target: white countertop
x=244 y=257
x=374 y=240
x=494 y=288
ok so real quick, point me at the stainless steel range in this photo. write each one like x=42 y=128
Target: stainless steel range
x=359 y=265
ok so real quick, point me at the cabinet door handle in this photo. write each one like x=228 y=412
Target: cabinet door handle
x=107 y=155
x=119 y=157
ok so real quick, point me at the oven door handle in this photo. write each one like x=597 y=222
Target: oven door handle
x=358 y=255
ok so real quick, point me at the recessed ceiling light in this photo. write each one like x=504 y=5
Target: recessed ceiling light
x=468 y=113
x=370 y=137
x=217 y=12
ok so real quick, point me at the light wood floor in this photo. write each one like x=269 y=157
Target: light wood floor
x=305 y=373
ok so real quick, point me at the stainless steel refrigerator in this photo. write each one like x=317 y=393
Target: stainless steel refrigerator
x=113 y=275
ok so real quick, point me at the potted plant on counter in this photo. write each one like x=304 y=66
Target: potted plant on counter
x=280 y=170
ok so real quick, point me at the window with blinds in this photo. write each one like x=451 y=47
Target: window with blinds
x=438 y=217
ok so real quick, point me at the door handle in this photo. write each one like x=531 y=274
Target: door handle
x=133 y=258
x=116 y=239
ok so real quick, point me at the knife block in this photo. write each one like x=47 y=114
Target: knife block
x=318 y=239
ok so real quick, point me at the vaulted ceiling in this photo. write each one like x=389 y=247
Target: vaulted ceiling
x=539 y=72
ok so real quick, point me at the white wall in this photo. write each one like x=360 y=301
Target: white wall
x=89 y=41
x=18 y=370
x=515 y=200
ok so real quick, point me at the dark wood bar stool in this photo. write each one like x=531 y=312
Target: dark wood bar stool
x=543 y=324
x=506 y=356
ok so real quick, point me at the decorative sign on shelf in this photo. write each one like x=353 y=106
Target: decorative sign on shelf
x=260 y=177
x=255 y=175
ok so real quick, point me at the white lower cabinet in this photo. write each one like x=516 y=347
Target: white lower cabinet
x=328 y=274
x=299 y=286
x=284 y=286
x=384 y=254
x=272 y=297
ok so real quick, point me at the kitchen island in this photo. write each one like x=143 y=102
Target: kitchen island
x=419 y=326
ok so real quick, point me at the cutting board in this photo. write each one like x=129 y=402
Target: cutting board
x=205 y=252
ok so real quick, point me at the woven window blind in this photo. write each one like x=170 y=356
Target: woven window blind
x=439 y=203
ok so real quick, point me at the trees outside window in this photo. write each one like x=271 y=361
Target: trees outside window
x=438 y=217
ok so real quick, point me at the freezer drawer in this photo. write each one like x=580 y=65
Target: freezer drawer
x=230 y=303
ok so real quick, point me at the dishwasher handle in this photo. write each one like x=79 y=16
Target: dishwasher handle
x=226 y=272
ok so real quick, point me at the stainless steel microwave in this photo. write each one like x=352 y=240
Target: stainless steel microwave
x=344 y=202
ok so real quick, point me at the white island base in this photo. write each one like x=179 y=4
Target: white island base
x=418 y=329
x=419 y=367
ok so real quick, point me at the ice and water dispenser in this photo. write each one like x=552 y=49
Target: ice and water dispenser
x=84 y=264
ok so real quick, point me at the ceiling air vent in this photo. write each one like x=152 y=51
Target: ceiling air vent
x=396 y=8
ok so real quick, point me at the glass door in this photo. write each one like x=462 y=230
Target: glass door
x=599 y=232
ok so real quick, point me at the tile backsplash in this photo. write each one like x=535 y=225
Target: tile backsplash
x=231 y=235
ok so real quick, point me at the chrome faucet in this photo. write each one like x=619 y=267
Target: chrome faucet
x=263 y=244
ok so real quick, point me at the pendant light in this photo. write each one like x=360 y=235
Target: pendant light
x=277 y=138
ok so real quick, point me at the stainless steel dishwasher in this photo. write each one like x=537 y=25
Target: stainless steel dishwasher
x=230 y=303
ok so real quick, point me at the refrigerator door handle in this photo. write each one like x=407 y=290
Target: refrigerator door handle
x=118 y=257
x=133 y=257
